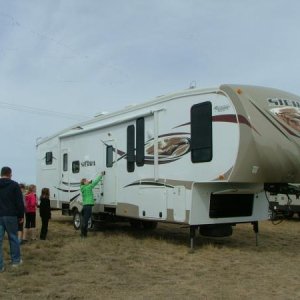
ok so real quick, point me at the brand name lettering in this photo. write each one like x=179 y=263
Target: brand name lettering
x=221 y=108
x=283 y=102
x=88 y=163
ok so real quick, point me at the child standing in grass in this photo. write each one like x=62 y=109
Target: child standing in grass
x=45 y=212
x=30 y=209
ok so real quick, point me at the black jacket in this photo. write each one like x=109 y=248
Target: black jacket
x=11 y=198
x=45 y=210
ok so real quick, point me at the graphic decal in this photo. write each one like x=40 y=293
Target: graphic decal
x=149 y=183
x=230 y=118
x=73 y=198
x=169 y=183
x=278 y=116
x=74 y=184
x=67 y=190
x=173 y=146
x=289 y=117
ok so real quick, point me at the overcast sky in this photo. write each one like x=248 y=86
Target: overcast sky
x=81 y=57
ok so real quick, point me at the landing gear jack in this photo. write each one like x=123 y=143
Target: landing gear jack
x=255 y=229
x=192 y=236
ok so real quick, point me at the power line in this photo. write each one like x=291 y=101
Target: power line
x=35 y=110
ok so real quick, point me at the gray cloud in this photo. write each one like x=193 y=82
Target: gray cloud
x=85 y=57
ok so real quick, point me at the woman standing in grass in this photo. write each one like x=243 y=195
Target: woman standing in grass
x=86 y=188
x=45 y=212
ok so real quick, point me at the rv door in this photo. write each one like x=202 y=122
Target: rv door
x=110 y=180
x=64 y=183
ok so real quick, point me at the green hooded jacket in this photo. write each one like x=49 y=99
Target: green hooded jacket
x=87 y=191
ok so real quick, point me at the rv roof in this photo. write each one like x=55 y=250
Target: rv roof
x=112 y=118
x=90 y=124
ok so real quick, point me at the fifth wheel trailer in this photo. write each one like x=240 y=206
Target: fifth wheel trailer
x=200 y=157
x=285 y=204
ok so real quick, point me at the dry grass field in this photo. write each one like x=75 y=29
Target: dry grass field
x=118 y=262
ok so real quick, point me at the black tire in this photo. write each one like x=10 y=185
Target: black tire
x=136 y=224
x=289 y=214
x=274 y=215
x=149 y=225
x=76 y=219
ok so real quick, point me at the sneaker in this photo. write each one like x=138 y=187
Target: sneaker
x=16 y=265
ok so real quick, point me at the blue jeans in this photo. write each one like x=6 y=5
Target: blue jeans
x=10 y=225
x=86 y=214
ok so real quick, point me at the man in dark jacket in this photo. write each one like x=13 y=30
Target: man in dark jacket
x=11 y=212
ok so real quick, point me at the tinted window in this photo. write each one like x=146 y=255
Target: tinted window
x=130 y=148
x=201 y=132
x=140 y=142
x=75 y=166
x=109 y=156
x=49 y=158
x=65 y=162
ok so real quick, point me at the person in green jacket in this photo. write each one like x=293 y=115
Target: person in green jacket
x=86 y=188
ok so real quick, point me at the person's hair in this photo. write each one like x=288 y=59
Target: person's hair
x=31 y=188
x=82 y=181
x=45 y=193
x=22 y=186
x=6 y=171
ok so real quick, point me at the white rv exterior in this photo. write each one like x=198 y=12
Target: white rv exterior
x=196 y=157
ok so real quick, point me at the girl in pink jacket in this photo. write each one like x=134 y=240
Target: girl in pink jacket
x=30 y=213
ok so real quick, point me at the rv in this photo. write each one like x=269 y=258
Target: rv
x=285 y=205
x=204 y=158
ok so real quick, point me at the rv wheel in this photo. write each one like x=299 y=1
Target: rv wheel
x=136 y=224
x=149 y=225
x=76 y=219
x=289 y=214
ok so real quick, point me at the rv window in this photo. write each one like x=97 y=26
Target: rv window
x=49 y=158
x=140 y=142
x=109 y=156
x=65 y=162
x=201 y=132
x=130 y=148
x=75 y=166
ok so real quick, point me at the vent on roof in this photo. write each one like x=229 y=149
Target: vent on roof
x=100 y=114
x=193 y=84
x=130 y=105
x=77 y=127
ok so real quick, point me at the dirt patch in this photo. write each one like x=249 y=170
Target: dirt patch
x=118 y=262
